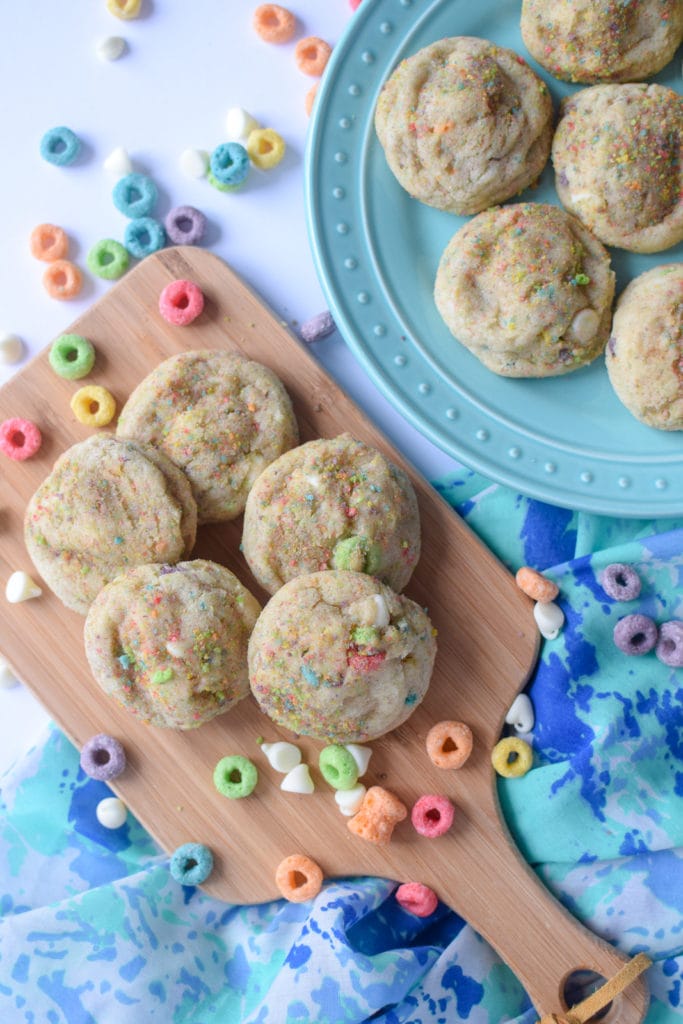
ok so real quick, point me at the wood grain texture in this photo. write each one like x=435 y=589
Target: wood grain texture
x=488 y=645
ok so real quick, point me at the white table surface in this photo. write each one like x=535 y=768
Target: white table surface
x=187 y=62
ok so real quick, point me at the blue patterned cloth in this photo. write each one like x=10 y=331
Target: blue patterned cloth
x=95 y=931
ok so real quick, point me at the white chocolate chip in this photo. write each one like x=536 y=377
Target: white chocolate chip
x=118 y=162
x=370 y=611
x=194 y=163
x=549 y=619
x=313 y=481
x=111 y=812
x=298 y=780
x=282 y=756
x=110 y=48
x=585 y=324
x=239 y=124
x=382 y=617
x=177 y=649
x=581 y=197
x=349 y=800
x=361 y=756
x=11 y=349
x=521 y=714
x=20 y=587
x=8 y=677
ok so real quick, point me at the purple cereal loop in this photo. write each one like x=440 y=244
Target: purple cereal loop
x=635 y=634
x=185 y=225
x=103 y=757
x=318 y=327
x=669 y=647
x=620 y=581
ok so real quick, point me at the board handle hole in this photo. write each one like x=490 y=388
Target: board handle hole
x=578 y=986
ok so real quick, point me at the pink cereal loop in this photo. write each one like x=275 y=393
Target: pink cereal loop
x=181 y=302
x=19 y=439
x=417 y=899
x=298 y=878
x=311 y=55
x=273 y=23
x=377 y=816
x=535 y=585
x=432 y=815
x=449 y=744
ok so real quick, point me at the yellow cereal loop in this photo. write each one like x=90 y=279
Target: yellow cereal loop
x=93 y=405
x=125 y=9
x=265 y=148
x=512 y=757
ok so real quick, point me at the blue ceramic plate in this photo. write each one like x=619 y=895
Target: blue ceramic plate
x=566 y=440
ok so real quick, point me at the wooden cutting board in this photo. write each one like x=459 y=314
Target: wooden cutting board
x=488 y=645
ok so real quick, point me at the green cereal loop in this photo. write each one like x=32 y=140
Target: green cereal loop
x=108 y=259
x=72 y=356
x=235 y=776
x=213 y=180
x=356 y=554
x=338 y=767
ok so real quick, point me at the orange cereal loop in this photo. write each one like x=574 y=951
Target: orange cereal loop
x=274 y=24
x=298 y=878
x=535 y=585
x=62 y=280
x=311 y=55
x=309 y=98
x=377 y=816
x=48 y=242
x=449 y=744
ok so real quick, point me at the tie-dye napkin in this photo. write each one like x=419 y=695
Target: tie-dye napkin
x=94 y=930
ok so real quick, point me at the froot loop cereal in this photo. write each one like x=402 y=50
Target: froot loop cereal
x=512 y=757
x=143 y=236
x=191 y=864
x=620 y=582
x=181 y=302
x=669 y=647
x=311 y=55
x=377 y=816
x=235 y=776
x=185 y=225
x=49 y=242
x=93 y=406
x=317 y=327
x=266 y=148
x=111 y=812
x=20 y=587
x=125 y=9
x=298 y=878
x=229 y=163
x=72 y=356
x=636 y=634
x=535 y=585
x=273 y=23
x=62 y=280
x=108 y=259
x=103 y=757
x=135 y=195
x=449 y=744
x=417 y=899
x=432 y=815
x=338 y=766
x=19 y=438
x=60 y=146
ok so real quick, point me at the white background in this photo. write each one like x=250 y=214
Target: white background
x=187 y=62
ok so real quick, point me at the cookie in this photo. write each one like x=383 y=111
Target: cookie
x=610 y=41
x=527 y=289
x=331 y=504
x=617 y=157
x=169 y=642
x=107 y=504
x=219 y=417
x=339 y=656
x=644 y=355
x=464 y=124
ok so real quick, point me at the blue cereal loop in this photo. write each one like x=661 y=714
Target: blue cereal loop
x=135 y=195
x=230 y=163
x=143 y=236
x=191 y=864
x=60 y=146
